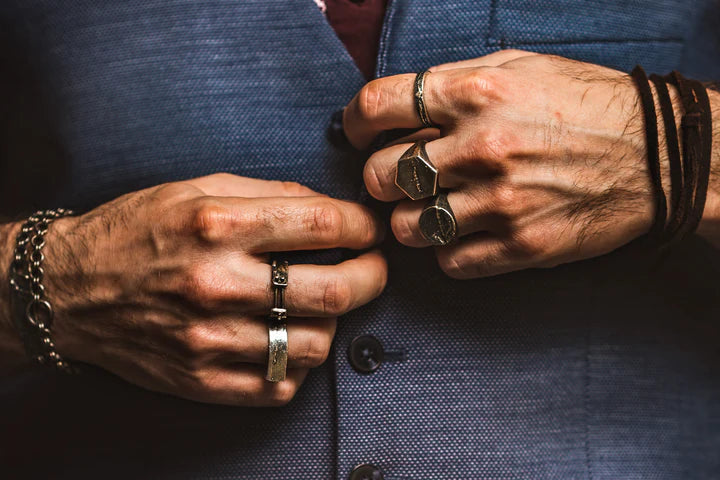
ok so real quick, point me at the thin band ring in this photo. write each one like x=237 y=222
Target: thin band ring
x=419 y=92
x=277 y=325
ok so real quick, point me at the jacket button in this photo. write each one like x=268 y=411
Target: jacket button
x=366 y=354
x=366 y=472
x=336 y=133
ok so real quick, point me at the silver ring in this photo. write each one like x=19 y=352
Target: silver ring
x=416 y=175
x=418 y=92
x=277 y=325
x=437 y=221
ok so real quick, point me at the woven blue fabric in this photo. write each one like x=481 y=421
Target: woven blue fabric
x=603 y=369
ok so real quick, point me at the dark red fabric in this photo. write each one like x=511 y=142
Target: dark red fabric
x=358 y=23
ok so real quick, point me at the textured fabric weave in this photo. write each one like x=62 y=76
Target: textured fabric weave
x=604 y=369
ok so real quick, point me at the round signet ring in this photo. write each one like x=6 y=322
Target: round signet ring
x=277 y=325
x=437 y=221
x=416 y=175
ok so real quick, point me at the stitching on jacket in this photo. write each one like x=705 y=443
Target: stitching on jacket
x=492 y=24
x=385 y=39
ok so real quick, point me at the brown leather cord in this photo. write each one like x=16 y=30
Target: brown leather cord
x=691 y=143
x=651 y=136
x=696 y=153
x=705 y=159
x=674 y=158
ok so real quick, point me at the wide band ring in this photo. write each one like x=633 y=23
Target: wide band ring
x=438 y=224
x=277 y=325
x=416 y=175
x=419 y=92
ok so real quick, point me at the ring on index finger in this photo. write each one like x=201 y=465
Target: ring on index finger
x=419 y=92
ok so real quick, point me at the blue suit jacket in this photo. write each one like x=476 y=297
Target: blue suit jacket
x=604 y=369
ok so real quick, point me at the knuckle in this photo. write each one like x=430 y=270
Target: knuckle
x=316 y=349
x=337 y=296
x=373 y=180
x=199 y=285
x=205 y=381
x=403 y=229
x=529 y=245
x=370 y=101
x=175 y=190
x=282 y=394
x=210 y=221
x=467 y=265
x=506 y=200
x=496 y=146
x=479 y=82
x=324 y=222
x=198 y=339
x=294 y=189
x=454 y=267
x=477 y=87
x=192 y=342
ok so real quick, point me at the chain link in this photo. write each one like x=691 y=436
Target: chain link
x=26 y=277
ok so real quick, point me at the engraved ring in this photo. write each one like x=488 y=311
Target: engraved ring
x=419 y=92
x=416 y=175
x=437 y=221
x=277 y=325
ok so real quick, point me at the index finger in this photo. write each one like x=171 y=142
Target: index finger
x=272 y=224
x=229 y=185
x=388 y=103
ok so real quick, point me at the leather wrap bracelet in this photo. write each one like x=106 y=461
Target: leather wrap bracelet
x=32 y=311
x=689 y=154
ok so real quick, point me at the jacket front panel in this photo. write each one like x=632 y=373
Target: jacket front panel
x=601 y=369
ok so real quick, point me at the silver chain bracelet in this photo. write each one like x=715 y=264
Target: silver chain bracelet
x=32 y=312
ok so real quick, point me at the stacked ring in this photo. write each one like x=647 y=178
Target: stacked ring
x=418 y=178
x=416 y=175
x=437 y=221
x=277 y=325
x=419 y=91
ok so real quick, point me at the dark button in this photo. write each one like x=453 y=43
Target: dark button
x=366 y=472
x=366 y=353
x=336 y=133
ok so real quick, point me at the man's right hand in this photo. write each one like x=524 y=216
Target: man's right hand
x=169 y=287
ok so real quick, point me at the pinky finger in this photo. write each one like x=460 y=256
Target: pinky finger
x=483 y=255
x=244 y=385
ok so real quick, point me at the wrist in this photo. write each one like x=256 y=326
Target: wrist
x=709 y=224
x=12 y=352
x=62 y=275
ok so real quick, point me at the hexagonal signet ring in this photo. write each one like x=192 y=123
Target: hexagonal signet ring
x=416 y=176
